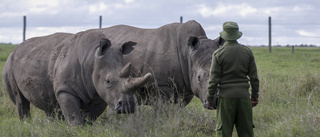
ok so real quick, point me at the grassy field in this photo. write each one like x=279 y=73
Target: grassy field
x=289 y=105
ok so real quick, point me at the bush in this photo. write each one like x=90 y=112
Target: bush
x=309 y=84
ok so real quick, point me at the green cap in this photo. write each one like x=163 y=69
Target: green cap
x=230 y=31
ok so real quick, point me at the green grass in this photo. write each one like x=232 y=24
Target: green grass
x=290 y=92
x=289 y=105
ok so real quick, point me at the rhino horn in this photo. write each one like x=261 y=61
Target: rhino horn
x=126 y=70
x=136 y=83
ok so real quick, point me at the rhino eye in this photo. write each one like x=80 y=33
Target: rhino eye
x=108 y=81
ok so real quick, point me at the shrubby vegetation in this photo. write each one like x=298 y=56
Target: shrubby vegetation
x=289 y=105
x=288 y=45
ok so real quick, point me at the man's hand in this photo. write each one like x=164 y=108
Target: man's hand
x=254 y=102
x=208 y=105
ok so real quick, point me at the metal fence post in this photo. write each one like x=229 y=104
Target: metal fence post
x=269 y=34
x=24 y=27
x=100 y=21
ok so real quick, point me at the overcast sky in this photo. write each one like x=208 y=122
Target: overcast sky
x=294 y=21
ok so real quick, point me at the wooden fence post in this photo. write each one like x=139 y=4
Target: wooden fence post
x=269 y=34
x=181 y=19
x=100 y=21
x=292 y=49
x=24 y=27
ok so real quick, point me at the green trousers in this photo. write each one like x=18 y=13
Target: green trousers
x=234 y=112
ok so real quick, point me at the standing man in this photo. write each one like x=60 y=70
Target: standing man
x=233 y=66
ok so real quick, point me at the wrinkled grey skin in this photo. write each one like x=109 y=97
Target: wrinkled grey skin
x=178 y=54
x=77 y=73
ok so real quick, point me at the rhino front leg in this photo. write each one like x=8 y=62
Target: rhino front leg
x=55 y=113
x=70 y=106
x=94 y=111
x=186 y=100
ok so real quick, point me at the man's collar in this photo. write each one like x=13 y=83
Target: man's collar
x=228 y=42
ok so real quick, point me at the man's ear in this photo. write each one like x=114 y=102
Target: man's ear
x=103 y=47
x=127 y=47
x=193 y=42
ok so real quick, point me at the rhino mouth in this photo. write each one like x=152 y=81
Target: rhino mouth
x=124 y=108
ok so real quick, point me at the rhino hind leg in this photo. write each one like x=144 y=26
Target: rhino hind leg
x=70 y=106
x=23 y=106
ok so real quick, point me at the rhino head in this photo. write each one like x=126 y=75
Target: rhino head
x=111 y=78
x=201 y=50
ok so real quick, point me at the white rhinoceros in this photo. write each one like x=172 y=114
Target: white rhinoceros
x=178 y=54
x=78 y=73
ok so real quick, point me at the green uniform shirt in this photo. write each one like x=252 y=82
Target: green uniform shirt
x=233 y=66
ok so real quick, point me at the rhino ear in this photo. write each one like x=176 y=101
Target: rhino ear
x=127 y=47
x=193 y=42
x=104 y=45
